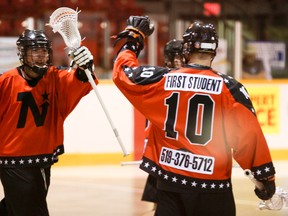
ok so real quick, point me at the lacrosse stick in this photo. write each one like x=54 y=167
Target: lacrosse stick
x=277 y=202
x=131 y=163
x=64 y=20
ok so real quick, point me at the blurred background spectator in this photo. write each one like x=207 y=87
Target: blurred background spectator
x=253 y=67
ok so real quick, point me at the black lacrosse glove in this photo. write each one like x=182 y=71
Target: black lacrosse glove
x=269 y=188
x=137 y=29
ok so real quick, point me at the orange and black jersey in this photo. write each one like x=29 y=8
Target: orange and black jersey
x=200 y=119
x=32 y=115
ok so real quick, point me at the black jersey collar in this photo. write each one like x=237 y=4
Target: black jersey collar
x=197 y=66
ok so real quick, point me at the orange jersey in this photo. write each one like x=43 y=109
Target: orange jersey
x=32 y=118
x=200 y=119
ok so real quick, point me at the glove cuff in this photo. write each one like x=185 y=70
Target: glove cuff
x=269 y=178
x=135 y=30
x=81 y=75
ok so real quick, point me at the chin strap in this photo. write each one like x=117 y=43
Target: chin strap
x=41 y=71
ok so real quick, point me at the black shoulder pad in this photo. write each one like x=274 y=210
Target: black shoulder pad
x=144 y=75
x=238 y=91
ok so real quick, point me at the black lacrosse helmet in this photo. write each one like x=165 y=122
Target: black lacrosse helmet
x=34 y=39
x=200 y=37
x=171 y=49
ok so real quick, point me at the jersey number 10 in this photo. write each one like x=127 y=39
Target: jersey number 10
x=199 y=118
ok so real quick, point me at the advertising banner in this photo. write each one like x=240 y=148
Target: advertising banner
x=267 y=106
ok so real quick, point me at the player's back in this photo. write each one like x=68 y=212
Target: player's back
x=199 y=117
x=195 y=113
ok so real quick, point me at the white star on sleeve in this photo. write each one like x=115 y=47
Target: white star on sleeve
x=258 y=172
x=267 y=169
x=146 y=164
x=126 y=69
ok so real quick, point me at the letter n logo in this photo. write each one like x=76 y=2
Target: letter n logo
x=29 y=102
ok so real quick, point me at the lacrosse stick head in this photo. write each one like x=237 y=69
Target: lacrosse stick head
x=64 y=20
x=277 y=202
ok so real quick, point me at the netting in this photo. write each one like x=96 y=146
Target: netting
x=65 y=21
x=277 y=202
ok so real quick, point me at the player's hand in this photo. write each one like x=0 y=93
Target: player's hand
x=140 y=25
x=269 y=188
x=83 y=58
x=137 y=29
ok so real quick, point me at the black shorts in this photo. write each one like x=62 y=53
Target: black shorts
x=195 y=203
x=25 y=191
x=150 y=190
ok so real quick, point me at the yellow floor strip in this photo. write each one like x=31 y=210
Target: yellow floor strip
x=92 y=159
x=117 y=158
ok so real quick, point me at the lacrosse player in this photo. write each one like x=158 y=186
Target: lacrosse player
x=200 y=119
x=172 y=59
x=36 y=98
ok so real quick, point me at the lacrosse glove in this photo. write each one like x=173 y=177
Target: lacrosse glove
x=269 y=188
x=137 y=29
x=83 y=58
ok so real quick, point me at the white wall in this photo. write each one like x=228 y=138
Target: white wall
x=87 y=129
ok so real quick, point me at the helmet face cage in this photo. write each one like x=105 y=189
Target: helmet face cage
x=33 y=39
x=200 y=38
x=172 y=49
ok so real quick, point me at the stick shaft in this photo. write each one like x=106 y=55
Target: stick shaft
x=131 y=163
x=90 y=78
x=73 y=43
x=258 y=184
